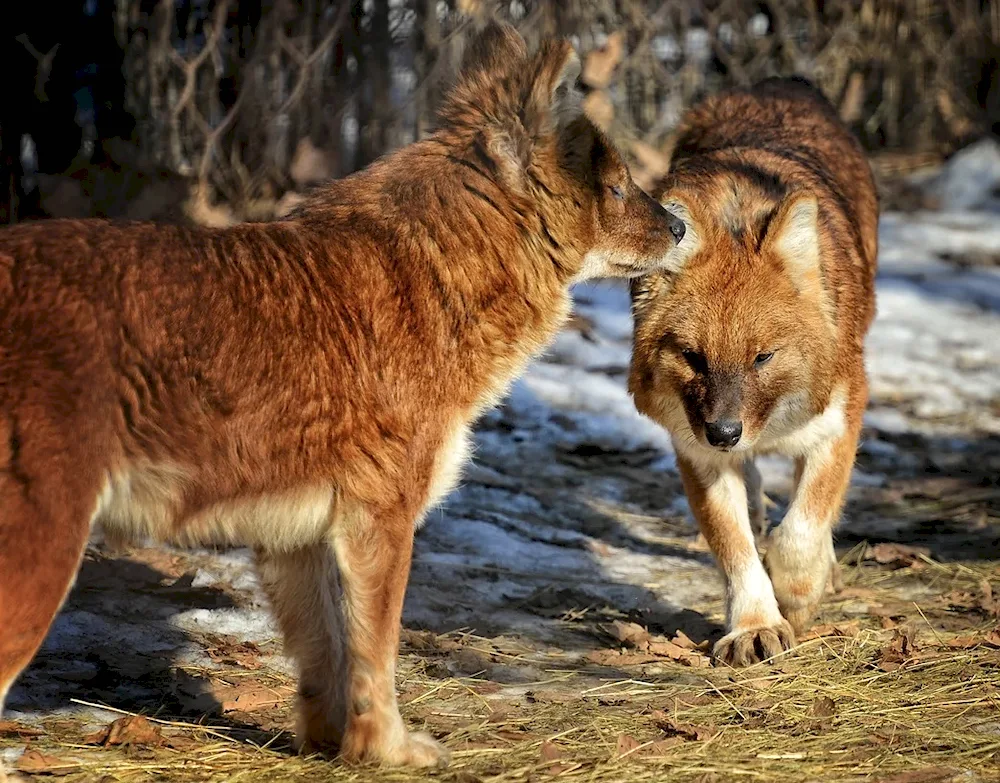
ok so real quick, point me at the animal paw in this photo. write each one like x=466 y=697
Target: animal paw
x=421 y=750
x=747 y=646
x=405 y=749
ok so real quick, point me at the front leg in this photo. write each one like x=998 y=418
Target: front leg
x=339 y=605
x=755 y=628
x=373 y=549
x=799 y=555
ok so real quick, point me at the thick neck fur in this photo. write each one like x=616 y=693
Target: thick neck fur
x=469 y=265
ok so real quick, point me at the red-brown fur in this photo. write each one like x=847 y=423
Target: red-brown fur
x=305 y=387
x=763 y=331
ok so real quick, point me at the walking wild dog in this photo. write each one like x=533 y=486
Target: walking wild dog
x=306 y=387
x=757 y=345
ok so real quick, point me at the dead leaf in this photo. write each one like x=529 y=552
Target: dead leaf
x=552 y=758
x=34 y=762
x=823 y=707
x=684 y=655
x=831 y=629
x=9 y=728
x=668 y=649
x=127 y=730
x=630 y=634
x=615 y=658
x=626 y=744
x=256 y=699
x=898 y=555
x=687 y=731
x=243 y=654
x=987 y=601
x=426 y=641
x=500 y=713
x=898 y=651
x=681 y=639
x=964 y=642
x=661 y=746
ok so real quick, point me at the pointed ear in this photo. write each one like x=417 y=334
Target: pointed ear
x=497 y=49
x=793 y=235
x=555 y=100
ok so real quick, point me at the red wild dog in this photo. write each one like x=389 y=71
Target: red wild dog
x=756 y=346
x=306 y=387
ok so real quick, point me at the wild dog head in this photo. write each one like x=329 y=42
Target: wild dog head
x=520 y=119
x=732 y=352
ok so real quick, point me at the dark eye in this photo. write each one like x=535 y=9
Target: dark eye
x=762 y=359
x=696 y=360
x=617 y=191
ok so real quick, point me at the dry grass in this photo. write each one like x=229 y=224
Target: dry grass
x=909 y=693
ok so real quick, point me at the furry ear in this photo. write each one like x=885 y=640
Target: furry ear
x=555 y=100
x=793 y=235
x=497 y=48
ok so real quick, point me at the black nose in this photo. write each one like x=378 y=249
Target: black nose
x=723 y=434
x=677 y=228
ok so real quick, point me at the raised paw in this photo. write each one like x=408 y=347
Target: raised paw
x=747 y=646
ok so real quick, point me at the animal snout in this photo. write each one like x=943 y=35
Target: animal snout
x=723 y=434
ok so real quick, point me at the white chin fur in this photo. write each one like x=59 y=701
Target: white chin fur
x=604 y=263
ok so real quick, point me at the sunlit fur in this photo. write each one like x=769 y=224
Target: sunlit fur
x=306 y=387
x=763 y=326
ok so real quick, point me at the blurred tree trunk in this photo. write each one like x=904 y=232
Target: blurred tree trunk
x=425 y=58
x=375 y=80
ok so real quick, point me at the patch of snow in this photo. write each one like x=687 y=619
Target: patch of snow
x=970 y=178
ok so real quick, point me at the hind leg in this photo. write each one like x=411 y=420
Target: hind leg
x=304 y=591
x=40 y=550
x=756 y=501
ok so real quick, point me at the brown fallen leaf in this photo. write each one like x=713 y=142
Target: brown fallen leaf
x=127 y=730
x=831 y=629
x=687 y=731
x=683 y=655
x=256 y=699
x=246 y=655
x=660 y=747
x=681 y=639
x=965 y=642
x=35 y=762
x=823 y=707
x=552 y=758
x=668 y=650
x=898 y=555
x=615 y=658
x=988 y=602
x=426 y=641
x=630 y=634
x=10 y=728
x=898 y=650
x=626 y=744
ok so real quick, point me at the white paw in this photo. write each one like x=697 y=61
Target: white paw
x=745 y=646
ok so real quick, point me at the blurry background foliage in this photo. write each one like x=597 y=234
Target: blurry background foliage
x=229 y=109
